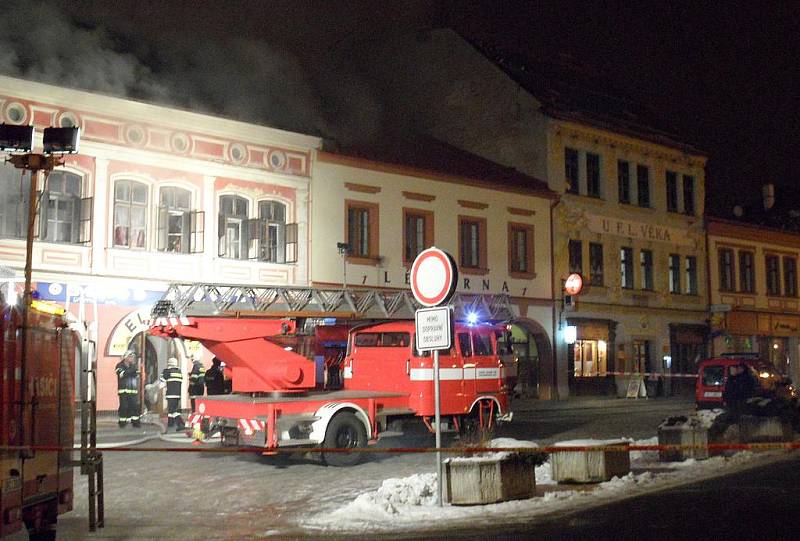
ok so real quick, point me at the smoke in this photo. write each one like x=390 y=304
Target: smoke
x=230 y=76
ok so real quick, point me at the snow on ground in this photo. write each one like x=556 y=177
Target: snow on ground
x=410 y=503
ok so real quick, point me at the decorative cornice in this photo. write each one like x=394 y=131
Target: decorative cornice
x=521 y=212
x=472 y=204
x=419 y=196
x=363 y=188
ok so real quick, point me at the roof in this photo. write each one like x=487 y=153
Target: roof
x=572 y=91
x=428 y=155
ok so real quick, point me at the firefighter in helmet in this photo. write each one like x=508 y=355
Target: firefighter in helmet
x=197 y=381
x=128 y=389
x=173 y=377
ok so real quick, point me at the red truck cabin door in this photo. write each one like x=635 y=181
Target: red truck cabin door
x=379 y=361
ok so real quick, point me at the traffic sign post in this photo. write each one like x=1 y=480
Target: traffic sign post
x=434 y=275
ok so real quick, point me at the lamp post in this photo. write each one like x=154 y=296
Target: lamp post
x=18 y=140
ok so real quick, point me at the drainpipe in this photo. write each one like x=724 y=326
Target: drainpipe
x=555 y=396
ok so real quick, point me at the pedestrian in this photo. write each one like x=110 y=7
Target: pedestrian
x=196 y=381
x=128 y=389
x=739 y=387
x=173 y=377
x=215 y=379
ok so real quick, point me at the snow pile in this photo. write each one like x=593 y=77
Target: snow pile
x=497 y=443
x=643 y=457
x=396 y=494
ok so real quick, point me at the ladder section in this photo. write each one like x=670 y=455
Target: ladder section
x=209 y=299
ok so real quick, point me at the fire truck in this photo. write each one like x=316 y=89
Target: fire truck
x=290 y=392
x=36 y=411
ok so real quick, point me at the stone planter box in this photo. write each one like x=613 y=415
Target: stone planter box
x=590 y=466
x=481 y=480
x=688 y=434
x=753 y=429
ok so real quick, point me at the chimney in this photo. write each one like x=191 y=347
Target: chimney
x=768 y=192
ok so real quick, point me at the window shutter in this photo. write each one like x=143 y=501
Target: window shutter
x=221 y=235
x=290 y=248
x=43 y=199
x=251 y=237
x=161 y=230
x=197 y=242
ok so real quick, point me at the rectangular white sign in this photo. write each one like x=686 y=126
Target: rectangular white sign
x=433 y=329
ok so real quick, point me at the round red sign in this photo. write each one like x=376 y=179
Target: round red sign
x=434 y=275
x=573 y=284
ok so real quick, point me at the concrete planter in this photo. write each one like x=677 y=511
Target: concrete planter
x=753 y=429
x=590 y=466
x=482 y=480
x=686 y=434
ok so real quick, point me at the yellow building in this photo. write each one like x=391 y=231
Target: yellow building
x=494 y=221
x=753 y=292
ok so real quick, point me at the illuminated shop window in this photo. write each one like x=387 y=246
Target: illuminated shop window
x=590 y=358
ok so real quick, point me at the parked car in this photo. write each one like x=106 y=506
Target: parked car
x=713 y=373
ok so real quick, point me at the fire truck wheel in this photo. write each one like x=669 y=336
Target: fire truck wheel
x=344 y=431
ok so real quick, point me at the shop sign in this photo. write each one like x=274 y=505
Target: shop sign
x=131 y=325
x=573 y=284
x=638 y=230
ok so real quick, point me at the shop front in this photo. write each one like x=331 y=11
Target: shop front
x=591 y=356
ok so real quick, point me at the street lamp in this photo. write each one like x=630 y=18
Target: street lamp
x=344 y=251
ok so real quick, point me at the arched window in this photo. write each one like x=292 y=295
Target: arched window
x=13 y=201
x=233 y=227
x=64 y=215
x=130 y=214
x=174 y=220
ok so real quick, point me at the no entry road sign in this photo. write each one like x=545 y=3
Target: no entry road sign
x=434 y=275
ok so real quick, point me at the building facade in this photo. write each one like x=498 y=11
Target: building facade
x=156 y=195
x=498 y=233
x=753 y=292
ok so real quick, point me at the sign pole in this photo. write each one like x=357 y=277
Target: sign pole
x=438 y=420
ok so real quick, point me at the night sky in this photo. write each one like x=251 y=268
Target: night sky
x=726 y=78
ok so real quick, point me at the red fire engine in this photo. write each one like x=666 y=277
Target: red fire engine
x=279 y=400
x=36 y=410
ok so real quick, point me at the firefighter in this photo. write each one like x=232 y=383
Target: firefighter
x=128 y=389
x=197 y=381
x=173 y=377
x=215 y=380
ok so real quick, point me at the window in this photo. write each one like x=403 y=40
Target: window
x=595 y=264
x=386 y=339
x=747 y=279
x=646 y=263
x=790 y=276
x=571 y=169
x=589 y=358
x=472 y=242
x=520 y=255
x=674 y=273
x=130 y=214
x=688 y=194
x=643 y=185
x=592 y=174
x=672 y=192
x=417 y=232
x=641 y=356
x=623 y=181
x=576 y=256
x=626 y=267
x=276 y=240
x=691 y=275
x=14 y=190
x=464 y=344
x=175 y=221
x=64 y=215
x=362 y=229
x=482 y=343
x=726 y=270
x=773 y=282
x=233 y=230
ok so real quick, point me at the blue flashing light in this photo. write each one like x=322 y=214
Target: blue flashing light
x=472 y=318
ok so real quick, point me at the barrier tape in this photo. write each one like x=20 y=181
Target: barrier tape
x=787 y=445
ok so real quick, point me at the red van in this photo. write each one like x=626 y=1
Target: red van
x=713 y=373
